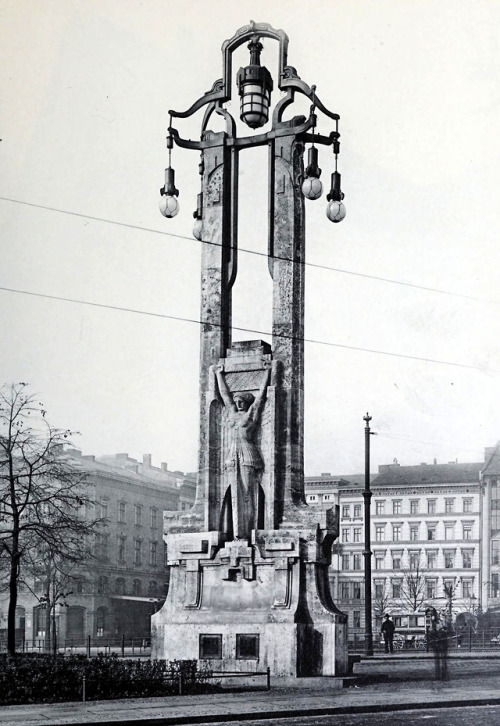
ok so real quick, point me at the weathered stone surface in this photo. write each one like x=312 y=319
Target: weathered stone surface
x=249 y=563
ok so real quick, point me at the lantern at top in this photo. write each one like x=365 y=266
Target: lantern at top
x=254 y=86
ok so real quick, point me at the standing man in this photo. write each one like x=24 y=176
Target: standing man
x=387 y=631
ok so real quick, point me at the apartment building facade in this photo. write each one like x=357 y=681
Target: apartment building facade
x=116 y=592
x=427 y=535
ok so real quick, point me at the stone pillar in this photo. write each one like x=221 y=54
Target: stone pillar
x=286 y=264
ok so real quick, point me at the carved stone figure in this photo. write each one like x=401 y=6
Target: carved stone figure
x=243 y=464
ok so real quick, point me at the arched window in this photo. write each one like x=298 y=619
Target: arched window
x=137 y=587
x=120 y=586
x=153 y=588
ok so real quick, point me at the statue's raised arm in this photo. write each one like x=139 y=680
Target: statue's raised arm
x=257 y=405
x=223 y=389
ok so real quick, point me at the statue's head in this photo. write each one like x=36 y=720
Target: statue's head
x=243 y=401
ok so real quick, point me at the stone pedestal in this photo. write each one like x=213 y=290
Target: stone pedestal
x=263 y=600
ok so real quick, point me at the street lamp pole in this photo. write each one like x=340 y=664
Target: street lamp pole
x=367 y=495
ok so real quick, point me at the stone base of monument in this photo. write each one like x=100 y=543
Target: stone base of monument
x=244 y=606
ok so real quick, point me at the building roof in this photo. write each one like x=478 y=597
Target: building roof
x=492 y=460
x=453 y=473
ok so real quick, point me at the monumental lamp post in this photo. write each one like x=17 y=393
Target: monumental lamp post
x=255 y=86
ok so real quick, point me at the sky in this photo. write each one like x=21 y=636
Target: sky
x=406 y=318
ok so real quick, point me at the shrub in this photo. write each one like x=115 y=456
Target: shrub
x=36 y=678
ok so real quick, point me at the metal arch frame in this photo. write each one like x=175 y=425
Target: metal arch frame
x=220 y=93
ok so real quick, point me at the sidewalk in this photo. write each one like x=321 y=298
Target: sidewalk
x=316 y=697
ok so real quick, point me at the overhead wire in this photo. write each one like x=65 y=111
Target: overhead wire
x=315 y=265
x=248 y=330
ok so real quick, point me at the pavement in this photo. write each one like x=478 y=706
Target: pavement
x=382 y=683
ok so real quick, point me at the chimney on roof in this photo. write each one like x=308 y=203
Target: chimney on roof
x=146 y=460
x=435 y=461
x=325 y=473
x=164 y=466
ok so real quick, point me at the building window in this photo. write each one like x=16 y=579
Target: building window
x=379 y=507
x=379 y=590
x=396 y=562
x=344 y=590
x=327 y=497
x=413 y=532
x=449 y=505
x=153 y=588
x=101 y=545
x=467 y=560
x=356 y=618
x=346 y=510
x=467 y=506
x=414 y=506
x=495 y=552
x=104 y=508
x=210 y=647
x=430 y=589
x=396 y=588
x=153 y=548
x=495 y=585
x=311 y=498
x=449 y=531
x=345 y=562
x=379 y=562
x=467 y=531
x=357 y=510
x=121 y=549
x=449 y=560
x=345 y=534
x=356 y=590
x=396 y=532
x=154 y=517
x=431 y=506
x=414 y=560
x=380 y=533
x=122 y=511
x=357 y=534
x=138 y=514
x=137 y=552
x=396 y=506
x=247 y=646
x=136 y=587
x=102 y=585
x=356 y=562
x=431 y=532
x=101 y=621
x=431 y=560
x=120 y=586
x=467 y=588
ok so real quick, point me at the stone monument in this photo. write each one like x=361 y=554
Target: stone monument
x=249 y=562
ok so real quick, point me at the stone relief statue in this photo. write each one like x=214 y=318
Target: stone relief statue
x=244 y=463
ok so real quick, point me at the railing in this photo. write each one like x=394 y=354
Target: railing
x=217 y=675
x=122 y=646
x=461 y=639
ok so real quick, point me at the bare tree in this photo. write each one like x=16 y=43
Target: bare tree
x=382 y=600
x=42 y=492
x=413 y=588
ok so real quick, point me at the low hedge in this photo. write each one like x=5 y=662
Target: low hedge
x=40 y=678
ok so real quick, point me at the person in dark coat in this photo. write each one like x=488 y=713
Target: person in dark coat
x=387 y=631
x=439 y=636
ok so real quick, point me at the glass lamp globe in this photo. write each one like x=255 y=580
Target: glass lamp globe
x=312 y=188
x=198 y=229
x=335 y=211
x=169 y=206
